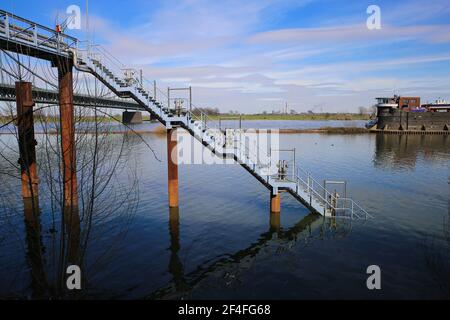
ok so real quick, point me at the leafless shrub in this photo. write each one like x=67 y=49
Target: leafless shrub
x=108 y=188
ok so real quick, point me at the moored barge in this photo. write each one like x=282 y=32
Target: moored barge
x=406 y=114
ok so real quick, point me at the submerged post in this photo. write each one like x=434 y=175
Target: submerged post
x=27 y=142
x=275 y=202
x=67 y=133
x=275 y=222
x=35 y=249
x=172 y=166
x=68 y=154
x=175 y=263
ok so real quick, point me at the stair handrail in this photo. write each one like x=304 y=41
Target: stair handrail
x=333 y=199
x=354 y=207
x=205 y=118
x=109 y=61
x=318 y=196
x=313 y=180
x=98 y=52
x=103 y=53
x=34 y=30
x=109 y=55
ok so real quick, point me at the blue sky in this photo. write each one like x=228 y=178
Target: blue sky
x=256 y=55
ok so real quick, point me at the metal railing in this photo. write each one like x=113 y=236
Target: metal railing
x=354 y=210
x=340 y=206
x=23 y=31
x=135 y=80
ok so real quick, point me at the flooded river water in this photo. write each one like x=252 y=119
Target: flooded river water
x=223 y=242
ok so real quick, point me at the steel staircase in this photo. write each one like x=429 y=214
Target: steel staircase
x=303 y=186
x=110 y=71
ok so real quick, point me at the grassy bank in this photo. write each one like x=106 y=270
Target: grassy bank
x=246 y=117
x=324 y=130
x=302 y=116
x=328 y=130
x=161 y=130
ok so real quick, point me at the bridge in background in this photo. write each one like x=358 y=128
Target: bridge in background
x=46 y=96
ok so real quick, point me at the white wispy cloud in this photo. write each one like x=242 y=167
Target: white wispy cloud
x=352 y=33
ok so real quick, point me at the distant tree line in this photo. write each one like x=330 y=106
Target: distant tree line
x=209 y=111
x=367 y=110
x=215 y=112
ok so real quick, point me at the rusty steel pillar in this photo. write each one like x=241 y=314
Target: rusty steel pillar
x=172 y=167
x=275 y=202
x=27 y=142
x=175 y=265
x=73 y=231
x=67 y=133
x=68 y=155
x=275 y=222
x=174 y=229
x=35 y=249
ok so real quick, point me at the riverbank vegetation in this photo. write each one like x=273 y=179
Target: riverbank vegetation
x=230 y=116
x=328 y=130
x=298 y=116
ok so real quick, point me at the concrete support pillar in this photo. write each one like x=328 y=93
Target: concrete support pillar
x=172 y=166
x=67 y=133
x=275 y=202
x=131 y=117
x=27 y=142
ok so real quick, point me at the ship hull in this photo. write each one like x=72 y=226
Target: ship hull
x=396 y=119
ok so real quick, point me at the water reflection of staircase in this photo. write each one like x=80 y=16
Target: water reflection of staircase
x=228 y=268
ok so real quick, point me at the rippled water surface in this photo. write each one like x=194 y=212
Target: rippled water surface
x=223 y=242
